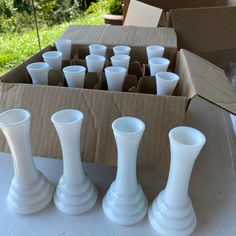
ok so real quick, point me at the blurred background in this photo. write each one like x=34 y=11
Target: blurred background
x=18 y=38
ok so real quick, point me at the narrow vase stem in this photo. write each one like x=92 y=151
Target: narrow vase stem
x=126 y=177
x=70 y=142
x=176 y=191
x=18 y=140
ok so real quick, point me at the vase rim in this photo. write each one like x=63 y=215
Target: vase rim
x=67 y=117
x=122 y=48
x=167 y=76
x=52 y=54
x=62 y=41
x=187 y=136
x=128 y=126
x=23 y=116
x=95 y=58
x=159 y=61
x=73 y=69
x=35 y=66
x=97 y=46
x=120 y=57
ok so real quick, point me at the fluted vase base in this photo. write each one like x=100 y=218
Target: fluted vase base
x=125 y=209
x=75 y=199
x=32 y=197
x=171 y=221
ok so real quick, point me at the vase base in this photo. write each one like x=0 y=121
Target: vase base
x=171 y=221
x=125 y=210
x=76 y=199
x=30 y=198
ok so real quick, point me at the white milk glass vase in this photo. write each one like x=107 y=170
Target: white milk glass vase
x=166 y=83
x=121 y=50
x=97 y=49
x=64 y=46
x=75 y=193
x=154 y=51
x=54 y=59
x=115 y=76
x=172 y=212
x=38 y=72
x=125 y=202
x=29 y=191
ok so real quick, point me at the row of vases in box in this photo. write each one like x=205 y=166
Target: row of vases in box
x=125 y=203
x=115 y=74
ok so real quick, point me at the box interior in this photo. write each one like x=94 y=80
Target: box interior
x=199 y=78
x=217 y=41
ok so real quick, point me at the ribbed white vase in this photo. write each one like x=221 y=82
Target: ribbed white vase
x=125 y=202
x=30 y=191
x=75 y=193
x=172 y=212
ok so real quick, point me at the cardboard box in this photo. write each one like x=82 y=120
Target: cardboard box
x=167 y=5
x=208 y=32
x=199 y=80
x=136 y=37
x=150 y=15
x=158 y=12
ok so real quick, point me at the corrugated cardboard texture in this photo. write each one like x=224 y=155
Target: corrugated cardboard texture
x=166 y=5
x=150 y=15
x=100 y=108
x=208 y=32
x=136 y=37
x=204 y=79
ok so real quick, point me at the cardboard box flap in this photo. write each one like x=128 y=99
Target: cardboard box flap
x=118 y=35
x=206 y=80
x=150 y=15
x=166 y=5
x=205 y=29
x=100 y=108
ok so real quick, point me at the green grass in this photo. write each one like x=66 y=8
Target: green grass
x=17 y=47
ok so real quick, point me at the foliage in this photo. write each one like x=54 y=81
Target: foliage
x=97 y=8
x=16 y=12
x=17 y=47
x=18 y=39
x=115 y=7
x=106 y=6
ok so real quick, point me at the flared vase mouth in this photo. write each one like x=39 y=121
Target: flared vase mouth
x=155 y=48
x=120 y=58
x=97 y=47
x=95 y=58
x=187 y=137
x=122 y=48
x=14 y=117
x=128 y=126
x=116 y=69
x=63 y=41
x=52 y=54
x=37 y=66
x=74 y=69
x=67 y=117
x=159 y=61
x=167 y=76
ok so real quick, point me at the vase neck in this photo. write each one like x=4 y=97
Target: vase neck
x=176 y=191
x=126 y=177
x=73 y=172
x=19 y=143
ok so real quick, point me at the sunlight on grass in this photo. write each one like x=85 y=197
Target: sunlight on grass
x=16 y=48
